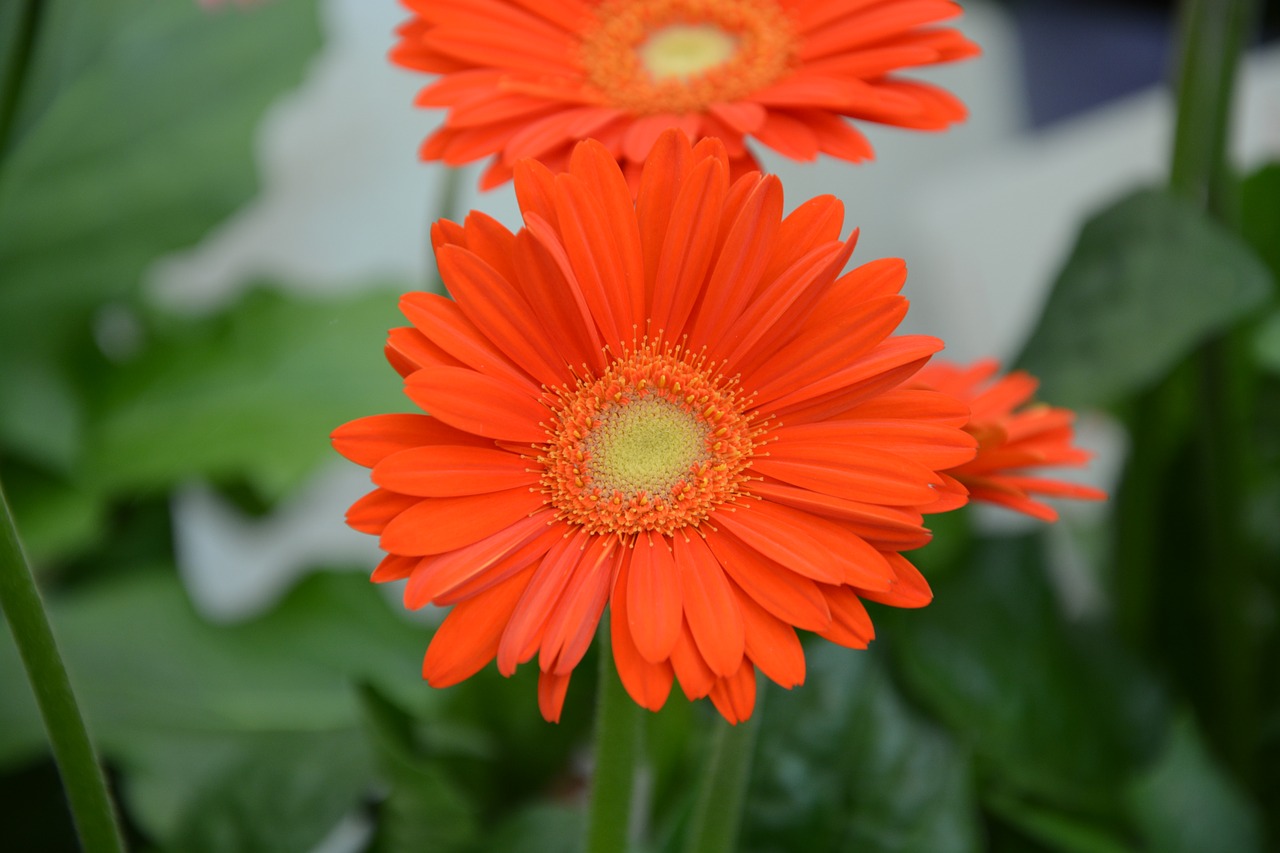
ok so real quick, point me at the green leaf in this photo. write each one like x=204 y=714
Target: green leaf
x=134 y=141
x=253 y=394
x=540 y=828
x=142 y=661
x=1055 y=711
x=1260 y=225
x=1149 y=279
x=40 y=410
x=425 y=808
x=1058 y=831
x=897 y=783
x=278 y=792
x=1186 y=804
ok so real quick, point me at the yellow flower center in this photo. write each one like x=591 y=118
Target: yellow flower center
x=684 y=51
x=659 y=56
x=647 y=445
x=656 y=443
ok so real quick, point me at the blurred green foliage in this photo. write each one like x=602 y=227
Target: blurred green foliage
x=991 y=720
x=1150 y=278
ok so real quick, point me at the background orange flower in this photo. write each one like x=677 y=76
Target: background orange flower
x=523 y=79
x=1013 y=434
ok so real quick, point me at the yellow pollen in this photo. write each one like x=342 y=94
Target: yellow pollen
x=679 y=56
x=626 y=455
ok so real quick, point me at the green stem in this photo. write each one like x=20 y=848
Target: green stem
x=1213 y=32
x=718 y=813
x=617 y=750
x=82 y=777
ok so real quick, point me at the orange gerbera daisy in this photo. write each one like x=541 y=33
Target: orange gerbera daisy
x=1012 y=437
x=676 y=407
x=527 y=79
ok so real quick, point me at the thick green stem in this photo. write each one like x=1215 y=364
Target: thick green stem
x=617 y=751
x=82 y=777
x=718 y=813
x=1213 y=32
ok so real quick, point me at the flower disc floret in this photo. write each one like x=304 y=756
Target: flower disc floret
x=677 y=56
x=655 y=444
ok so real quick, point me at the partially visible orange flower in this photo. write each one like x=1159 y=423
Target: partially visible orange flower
x=1013 y=434
x=677 y=407
x=529 y=79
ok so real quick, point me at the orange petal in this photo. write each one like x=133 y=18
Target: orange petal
x=834 y=336
x=439 y=525
x=653 y=590
x=468 y=637
x=367 y=441
x=549 y=298
x=787 y=595
x=850 y=623
x=394 y=567
x=446 y=471
x=695 y=677
x=660 y=181
x=735 y=696
x=494 y=305
x=528 y=623
x=899 y=527
x=710 y=607
x=909 y=589
x=646 y=682
x=443 y=322
x=373 y=512
x=772 y=645
x=551 y=691
x=741 y=261
x=572 y=623
x=478 y=403
x=818 y=548
x=687 y=246
x=458 y=575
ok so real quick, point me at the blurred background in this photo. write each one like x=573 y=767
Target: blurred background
x=206 y=218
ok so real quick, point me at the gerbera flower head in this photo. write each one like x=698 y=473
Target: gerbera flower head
x=677 y=408
x=523 y=79
x=1015 y=436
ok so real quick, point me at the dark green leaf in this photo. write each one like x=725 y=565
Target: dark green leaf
x=1186 y=804
x=542 y=828
x=1057 y=830
x=253 y=394
x=844 y=764
x=1149 y=279
x=1056 y=712
x=134 y=141
x=268 y=793
x=425 y=809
